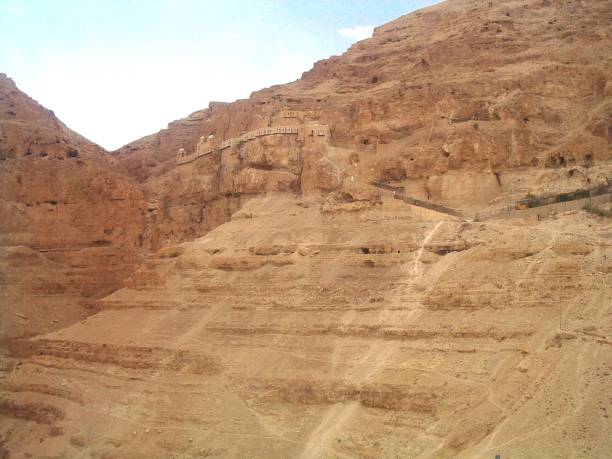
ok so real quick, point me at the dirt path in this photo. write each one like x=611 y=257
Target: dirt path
x=377 y=355
x=415 y=267
x=121 y=430
x=334 y=419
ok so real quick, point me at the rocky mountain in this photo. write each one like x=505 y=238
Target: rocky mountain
x=71 y=223
x=457 y=99
x=342 y=266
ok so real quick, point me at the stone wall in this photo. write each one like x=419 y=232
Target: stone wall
x=208 y=147
x=545 y=211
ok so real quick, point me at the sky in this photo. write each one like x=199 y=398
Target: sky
x=117 y=70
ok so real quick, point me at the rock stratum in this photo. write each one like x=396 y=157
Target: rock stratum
x=266 y=300
x=70 y=220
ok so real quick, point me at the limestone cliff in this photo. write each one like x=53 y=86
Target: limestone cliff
x=452 y=101
x=286 y=307
x=70 y=223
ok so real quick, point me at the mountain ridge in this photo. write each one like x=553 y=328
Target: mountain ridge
x=283 y=293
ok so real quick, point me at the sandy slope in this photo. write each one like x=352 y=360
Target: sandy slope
x=277 y=336
x=283 y=307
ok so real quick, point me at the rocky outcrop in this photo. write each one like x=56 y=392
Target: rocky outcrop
x=452 y=115
x=313 y=334
x=289 y=309
x=71 y=224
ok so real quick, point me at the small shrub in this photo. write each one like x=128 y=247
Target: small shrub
x=593 y=209
x=532 y=200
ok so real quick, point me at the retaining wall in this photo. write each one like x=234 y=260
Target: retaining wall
x=545 y=211
x=318 y=130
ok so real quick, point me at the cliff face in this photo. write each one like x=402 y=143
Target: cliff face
x=463 y=84
x=70 y=223
x=452 y=101
x=286 y=307
x=301 y=331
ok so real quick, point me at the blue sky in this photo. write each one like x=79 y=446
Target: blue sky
x=117 y=70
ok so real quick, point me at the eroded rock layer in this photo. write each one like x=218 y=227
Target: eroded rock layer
x=291 y=332
x=453 y=100
x=70 y=222
x=287 y=307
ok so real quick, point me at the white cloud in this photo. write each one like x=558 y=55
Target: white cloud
x=357 y=32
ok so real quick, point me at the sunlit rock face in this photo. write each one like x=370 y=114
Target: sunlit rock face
x=451 y=100
x=71 y=224
x=285 y=307
x=341 y=333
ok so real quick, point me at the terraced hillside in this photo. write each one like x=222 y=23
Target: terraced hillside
x=265 y=300
x=297 y=331
x=71 y=221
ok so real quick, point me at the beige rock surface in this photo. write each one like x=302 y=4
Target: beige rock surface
x=457 y=115
x=291 y=333
x=70 y=221
x=286 y=308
